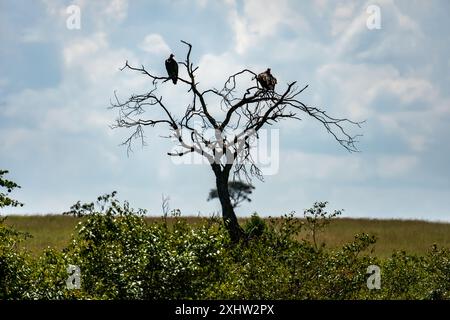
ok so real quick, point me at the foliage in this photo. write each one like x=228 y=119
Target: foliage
x=317 y=218
x=121 y=256
x=14 y=265
x=5 y=200
x=255 y=227
x=239 y=192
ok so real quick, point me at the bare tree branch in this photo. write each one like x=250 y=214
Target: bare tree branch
x=229 y=146
x=246 y=111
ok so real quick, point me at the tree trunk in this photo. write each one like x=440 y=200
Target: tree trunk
x=228 y=214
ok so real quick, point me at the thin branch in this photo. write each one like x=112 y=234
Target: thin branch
x=246 y=111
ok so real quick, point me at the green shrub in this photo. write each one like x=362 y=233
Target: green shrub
x=255 y=227
x=5 y=200
x=121 y=256
x=14 y=264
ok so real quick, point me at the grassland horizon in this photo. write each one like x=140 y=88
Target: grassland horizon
x=413 y=236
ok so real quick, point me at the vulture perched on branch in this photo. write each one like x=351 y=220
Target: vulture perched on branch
x=172 y=68
x=267 y=80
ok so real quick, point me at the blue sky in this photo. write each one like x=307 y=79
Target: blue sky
x=56 y=84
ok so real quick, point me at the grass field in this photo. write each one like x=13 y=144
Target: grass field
x=412 y=236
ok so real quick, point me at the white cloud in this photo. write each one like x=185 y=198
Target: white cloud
x=408 y=89
x=33 y=35
x=116 y=9
x=357 y=88
x=154 y=43
x=78 y=104
x=341 y=17
x=360 y=84
x=345 y=11
x=104 y=13
x=15 y=137
x=79 y=50
x=202 y=3
x=255 y=25
x=53 y=7
x=347 y=31
x=412 y=115
x=53 y=126
x=92 y=61
x=396 y=166
x=215 y=69
x=320 y=5
x=348 y=25
x=301 y=166
x=316 y=168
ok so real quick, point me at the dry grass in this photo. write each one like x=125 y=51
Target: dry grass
x=409 y=235
x=52 y=231
x=412 y=236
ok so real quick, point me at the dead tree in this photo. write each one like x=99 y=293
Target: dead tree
x=245 y=111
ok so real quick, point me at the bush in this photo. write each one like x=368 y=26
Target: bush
x=121 y=256
x=14 y=264
x=255 y=227
x=5 y=200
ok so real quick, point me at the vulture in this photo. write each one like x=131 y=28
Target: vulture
x=172 y=68
x=267 y=80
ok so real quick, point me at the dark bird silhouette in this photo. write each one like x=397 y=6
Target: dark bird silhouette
x=267 y=80
x=172 y=68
